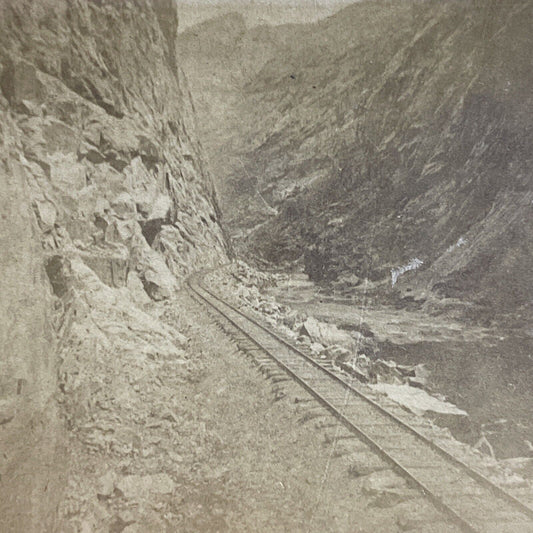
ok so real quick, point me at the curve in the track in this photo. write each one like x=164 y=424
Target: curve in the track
x=464 y=495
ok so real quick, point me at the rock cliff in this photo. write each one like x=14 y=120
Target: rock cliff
x=106 y=206
x=388 y=133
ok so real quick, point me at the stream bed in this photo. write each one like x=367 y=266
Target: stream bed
x=484 y=371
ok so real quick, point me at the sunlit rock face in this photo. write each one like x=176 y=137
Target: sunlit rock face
x=105 y=127
x=389 y=132
x=100 y=170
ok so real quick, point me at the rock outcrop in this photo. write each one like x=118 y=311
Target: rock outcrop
x=106 y=207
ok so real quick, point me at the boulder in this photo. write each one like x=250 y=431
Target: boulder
x=110 y=264
x=158 y=284
x=161 y=208
x=337 y=352
x=387 y=371
x=417 y=375
x=158 y=281
x=352 y=368
x=324 y=333
x=419 y=383
x=420 y=402
x=316 y=347
x=269 y=308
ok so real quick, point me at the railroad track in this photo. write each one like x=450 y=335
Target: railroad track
x=466 y=497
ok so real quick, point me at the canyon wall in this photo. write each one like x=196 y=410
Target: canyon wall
x=106 y=206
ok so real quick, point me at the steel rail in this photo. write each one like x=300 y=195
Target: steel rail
x=197 y=288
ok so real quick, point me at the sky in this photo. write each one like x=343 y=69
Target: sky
x=258 y=11
x=284 y=3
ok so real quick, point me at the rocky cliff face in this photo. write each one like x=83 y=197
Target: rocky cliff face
x=106 y=205
x=390 y=132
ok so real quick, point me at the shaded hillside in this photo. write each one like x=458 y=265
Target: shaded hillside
x=219 y=57
x=106 y=204
x=399 y=130
x=244 y=83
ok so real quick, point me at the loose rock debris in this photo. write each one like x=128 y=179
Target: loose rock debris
x=181 y=433
x=405 y=384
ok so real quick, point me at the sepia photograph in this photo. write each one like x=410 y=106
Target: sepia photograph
x=266 y=266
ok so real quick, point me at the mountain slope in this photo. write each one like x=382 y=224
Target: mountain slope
x=402 y=131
